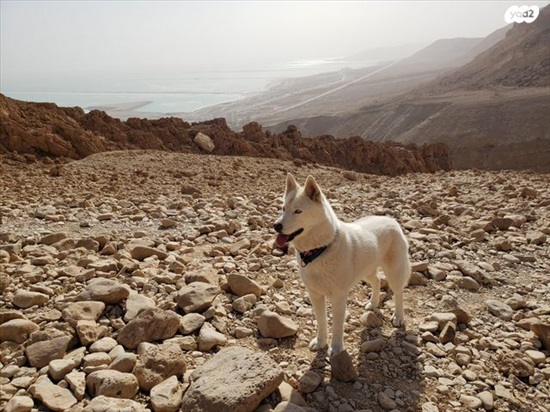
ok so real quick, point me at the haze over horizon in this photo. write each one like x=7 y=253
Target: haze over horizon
x=218 y=50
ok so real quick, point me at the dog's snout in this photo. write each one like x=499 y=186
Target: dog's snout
x=278 y=227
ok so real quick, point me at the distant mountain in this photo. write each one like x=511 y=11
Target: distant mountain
x=345 y=91
x=493 y=111
x=522 y=59
x=390 y=53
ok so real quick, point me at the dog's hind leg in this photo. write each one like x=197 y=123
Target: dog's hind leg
x=397 y=273
x=374 y=281
x=320 y=308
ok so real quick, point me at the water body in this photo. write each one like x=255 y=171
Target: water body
x=185 y=91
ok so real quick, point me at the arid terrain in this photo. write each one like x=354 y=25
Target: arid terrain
x=147 y=280
x=487 y=99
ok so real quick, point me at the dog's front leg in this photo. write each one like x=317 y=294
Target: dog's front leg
x=320 y=309
x=338 y=318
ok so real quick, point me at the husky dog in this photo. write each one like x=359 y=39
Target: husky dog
x=334 y=256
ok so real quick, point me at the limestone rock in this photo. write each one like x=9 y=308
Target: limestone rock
x=309 y=381
x=58 y=368
x=112 y=383
x=52 y=396
x=110 y=404
x=156 y=363
x=77 y=382
x=244 y=303
x=17 y=330
x=135 y=304
x=375 y=345
x=150 y=325
x=236 y=379
x=190 y=323
x=342 y=367
x=141 y=252
x=241 y=285
x=542 y=331
x=515 y=363
x=41 y=353
x=25 y=299
x=104 y=290
x=197 y=296
x=204 y=142
x=87 y=310
x=124 y=362
x=19 y=404
x=273 y=325
x=210 y=338
x=499 y=309
x=89 y=331
x=167 y=395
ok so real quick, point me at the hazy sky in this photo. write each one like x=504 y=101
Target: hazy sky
x=57 y=38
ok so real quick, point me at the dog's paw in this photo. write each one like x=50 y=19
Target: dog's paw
x=397 y=321
x=335 y=349
x=317 y=344
x=374 y=308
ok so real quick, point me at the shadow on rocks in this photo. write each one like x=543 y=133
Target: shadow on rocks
x=385 y=375
x=389 y=371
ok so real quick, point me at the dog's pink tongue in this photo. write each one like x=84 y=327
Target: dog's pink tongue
x=281 y=240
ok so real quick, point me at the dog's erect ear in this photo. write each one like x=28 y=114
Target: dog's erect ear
x=312 y=190
x=291 y=185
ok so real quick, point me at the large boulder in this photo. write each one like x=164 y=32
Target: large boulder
x=236 y=379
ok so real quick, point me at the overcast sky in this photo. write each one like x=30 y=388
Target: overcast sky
x=61 y=37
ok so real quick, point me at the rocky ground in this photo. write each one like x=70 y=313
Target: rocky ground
x=148 y=281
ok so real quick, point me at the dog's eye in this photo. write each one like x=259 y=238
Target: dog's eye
x=298 y=211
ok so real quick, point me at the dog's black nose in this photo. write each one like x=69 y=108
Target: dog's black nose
x=278 y=227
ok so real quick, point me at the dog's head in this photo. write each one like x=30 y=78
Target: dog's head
x=302 y=207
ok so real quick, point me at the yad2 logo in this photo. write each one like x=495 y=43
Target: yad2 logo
x=521 y=14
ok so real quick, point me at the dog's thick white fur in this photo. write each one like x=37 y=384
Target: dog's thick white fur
x=354 y=252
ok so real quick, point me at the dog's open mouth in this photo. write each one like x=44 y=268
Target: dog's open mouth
x=283 y=239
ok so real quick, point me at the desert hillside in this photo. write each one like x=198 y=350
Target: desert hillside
x=147 y=281
x=44 y=129
x=492 y=112
x=339 y=93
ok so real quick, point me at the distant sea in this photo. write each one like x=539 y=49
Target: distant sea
x=185 y=91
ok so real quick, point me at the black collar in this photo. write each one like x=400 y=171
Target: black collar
x=310 y=255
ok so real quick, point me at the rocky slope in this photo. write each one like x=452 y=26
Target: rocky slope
x=345 y=91
x=492 y=112
x=47 y=130
x=147 y=280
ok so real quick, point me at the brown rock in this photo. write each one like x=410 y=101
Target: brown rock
x=241 y=285
x=141 y=252
x=52 y=396
x=342 y=367
x=41 y=353
x=112 y=383
x=542 y=331
x=25 y=299
x=87 y=310
x=234 y=380
x=272 y=325
x=150 y=325
x=104 y=290
x=197 y=296
x=156 y=363
x=17 y=330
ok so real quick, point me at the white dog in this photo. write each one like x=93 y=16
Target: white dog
x=334 y=256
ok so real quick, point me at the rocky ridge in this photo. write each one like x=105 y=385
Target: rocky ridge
x=129 y=279
x=44 y=129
